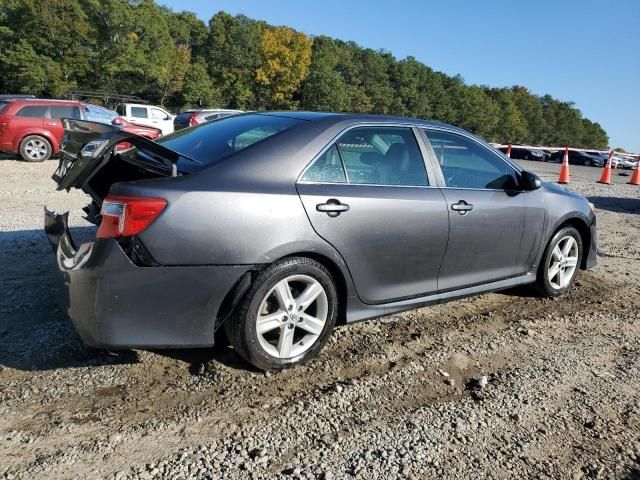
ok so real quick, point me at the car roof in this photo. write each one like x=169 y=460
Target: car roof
x=213 y=110
x=356 y=118
x=36 y=101
x=9 y=96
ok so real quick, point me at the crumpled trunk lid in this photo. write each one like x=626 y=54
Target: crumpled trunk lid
x=89 y=160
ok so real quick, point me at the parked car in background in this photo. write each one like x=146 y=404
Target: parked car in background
x=624 y=162
x=578 y=158
x=32 y=128
x=149 y=115
x=11 y=96
x=519 y=153
x=96 y=113
x=602 y=156
x=276 y=225
x=191 y=118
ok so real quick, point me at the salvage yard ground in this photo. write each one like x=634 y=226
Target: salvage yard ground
x=562 y=398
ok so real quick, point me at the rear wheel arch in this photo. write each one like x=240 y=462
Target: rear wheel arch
x=337 y=275
x=35 y=137
x=44 y=134
x=243 y=284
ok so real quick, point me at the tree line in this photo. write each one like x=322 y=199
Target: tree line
x=137 y=47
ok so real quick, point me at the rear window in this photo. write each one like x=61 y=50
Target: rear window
x=94 y=113
x=33 y=111
x=64 y=112
x=2 y=105
x=211 y=142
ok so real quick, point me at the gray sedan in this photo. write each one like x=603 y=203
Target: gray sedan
x=276 y=226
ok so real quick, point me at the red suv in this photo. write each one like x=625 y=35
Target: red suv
x=33 y=128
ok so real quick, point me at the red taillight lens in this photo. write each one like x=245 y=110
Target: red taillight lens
x=4 y=121
x=127 y=216
x=192 y=120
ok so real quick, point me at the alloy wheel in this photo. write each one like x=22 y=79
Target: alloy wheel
x=35 y=149
x=563 y=262
x=292 y=316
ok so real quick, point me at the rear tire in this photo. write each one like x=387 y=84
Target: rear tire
x=560 y=263
x=35 y=148
x=587 y=163
x=286 y=316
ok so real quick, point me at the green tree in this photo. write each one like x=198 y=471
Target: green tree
x=233 y=56
x=324 y=89
x=511 y=126
x=138 y=47
x=173 y=73
x=199 y=91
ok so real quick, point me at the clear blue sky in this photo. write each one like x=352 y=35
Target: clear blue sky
x=584 y=51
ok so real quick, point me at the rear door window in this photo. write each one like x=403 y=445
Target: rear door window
x=382 y=156
x=64 y=112
x=139 y=112
x=326 y=169
x=371 y=156
x=32 y=111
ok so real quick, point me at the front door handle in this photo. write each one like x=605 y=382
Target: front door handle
x=462 y=207
x=333 y=207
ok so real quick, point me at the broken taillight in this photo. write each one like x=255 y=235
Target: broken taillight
x=127 y=216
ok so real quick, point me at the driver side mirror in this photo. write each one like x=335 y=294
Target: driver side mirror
x=529 y=181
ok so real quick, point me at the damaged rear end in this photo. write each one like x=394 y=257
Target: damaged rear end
x=119 y=296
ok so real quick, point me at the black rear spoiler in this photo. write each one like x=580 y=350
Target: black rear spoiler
x=88 y=146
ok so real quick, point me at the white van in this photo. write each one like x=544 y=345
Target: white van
x=149 y=115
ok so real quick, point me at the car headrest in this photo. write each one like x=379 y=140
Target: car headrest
x=397 y=152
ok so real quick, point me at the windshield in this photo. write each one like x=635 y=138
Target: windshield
x=212 y=142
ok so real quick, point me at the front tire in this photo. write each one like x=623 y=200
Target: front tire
x=35 y=148
x=560 y=263
x=286 y=316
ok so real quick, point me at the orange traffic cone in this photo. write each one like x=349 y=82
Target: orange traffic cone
x=509 y=151
x=606 y=172
x=635 y=178
x=564 y=169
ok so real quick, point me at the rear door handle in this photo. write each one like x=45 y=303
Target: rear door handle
x=462 y=207
x=333 y=207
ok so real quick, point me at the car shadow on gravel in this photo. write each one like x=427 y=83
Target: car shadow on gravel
x=35 y=330
x=204 y=361
x=617 y=204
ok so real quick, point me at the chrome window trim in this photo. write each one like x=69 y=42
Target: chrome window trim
x=411 y=125
x=309 y=182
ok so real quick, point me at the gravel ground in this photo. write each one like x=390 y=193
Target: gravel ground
x=498 y=386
